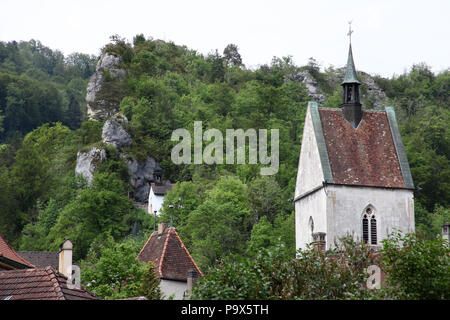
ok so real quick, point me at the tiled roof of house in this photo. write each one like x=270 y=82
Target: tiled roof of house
x=38 y=284
x=161 y=189
x=10 y=257
x=41 y=259
x=169 y=254
x=369 y=155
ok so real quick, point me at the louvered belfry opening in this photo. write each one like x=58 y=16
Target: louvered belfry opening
x=351 y=105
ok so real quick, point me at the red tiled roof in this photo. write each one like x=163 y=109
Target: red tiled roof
x=38 y=284
x=7 y=252
x=169 y=254
x=363 y=156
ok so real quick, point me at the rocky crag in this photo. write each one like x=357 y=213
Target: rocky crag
x=105 y=89
x=104 y=93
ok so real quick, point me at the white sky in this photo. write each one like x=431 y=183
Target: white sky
x=389 y=35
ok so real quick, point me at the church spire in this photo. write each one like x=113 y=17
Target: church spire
x=350 y=70
x=350 y=98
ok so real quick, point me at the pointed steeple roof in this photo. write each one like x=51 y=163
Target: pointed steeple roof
x=350 y=70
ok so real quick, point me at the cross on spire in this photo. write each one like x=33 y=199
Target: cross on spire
x=350 y=31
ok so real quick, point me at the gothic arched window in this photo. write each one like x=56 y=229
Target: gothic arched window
x=369 y=226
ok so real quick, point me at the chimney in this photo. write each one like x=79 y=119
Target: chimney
x=192 y=276
x=319 y=242
x=162 y=226
x=65 y=258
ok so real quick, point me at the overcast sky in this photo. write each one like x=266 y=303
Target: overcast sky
x=389 y=35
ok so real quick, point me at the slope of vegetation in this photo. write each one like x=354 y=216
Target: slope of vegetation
x=221 y=211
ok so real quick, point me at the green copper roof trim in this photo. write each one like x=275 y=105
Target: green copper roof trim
x=320 y=139
x=400 y=148
x=350 y=70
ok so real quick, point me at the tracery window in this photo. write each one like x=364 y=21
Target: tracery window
x=369 y=226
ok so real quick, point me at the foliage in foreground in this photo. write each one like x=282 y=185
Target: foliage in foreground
x=119 y=274
x=418 y=269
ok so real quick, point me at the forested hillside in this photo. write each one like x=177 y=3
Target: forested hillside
x=221 y=211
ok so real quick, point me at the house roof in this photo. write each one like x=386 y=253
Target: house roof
x=161 y=189
x=370 y=155
x=38 y=284
x=41 y=259
x=9 y=258
x=169 y=254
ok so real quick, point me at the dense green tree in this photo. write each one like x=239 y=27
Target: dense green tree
x=417 y=269
x=119 y=274
x=276 y=274
x=232 y=56
x=217 y=227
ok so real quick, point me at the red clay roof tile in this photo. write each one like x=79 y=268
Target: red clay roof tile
x=7 y=252
x=38 y=284
x=169 y=254
x=363 y=156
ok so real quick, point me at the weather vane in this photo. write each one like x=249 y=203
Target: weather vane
x=350 y=31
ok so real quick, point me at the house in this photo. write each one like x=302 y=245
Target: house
x=10 y=259
x=156 y=196
x=174 y=264
x=353 y=174
x=38 y=284
x=21 y=280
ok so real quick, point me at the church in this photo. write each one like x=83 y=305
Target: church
x=353 y=175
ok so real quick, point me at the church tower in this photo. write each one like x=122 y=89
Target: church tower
x=353 y=175
x=350 y=94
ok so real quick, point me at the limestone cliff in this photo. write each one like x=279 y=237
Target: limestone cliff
x=105 y=88
x=104 y=92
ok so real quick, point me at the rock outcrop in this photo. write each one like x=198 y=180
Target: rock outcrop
x=141 y=175
x=105 y=90
x=88 y=161
x=115 y=131
x=372 y=96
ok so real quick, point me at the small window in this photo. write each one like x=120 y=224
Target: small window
x=311 y=224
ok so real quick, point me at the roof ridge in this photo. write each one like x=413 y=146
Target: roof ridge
x=53 y=275
x=163 y=254
x=148 y=240
x=187 y=251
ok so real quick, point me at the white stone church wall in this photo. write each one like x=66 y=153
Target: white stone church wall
x=394 y=209
x=338 y=210
x=313 y=206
